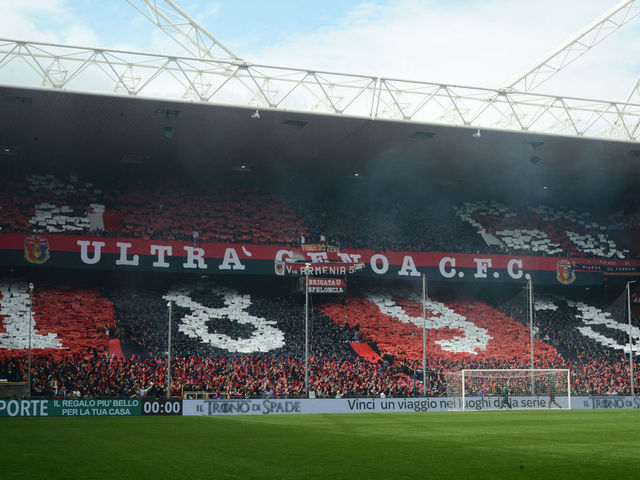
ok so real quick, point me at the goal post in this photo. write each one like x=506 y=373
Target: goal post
x=487 y=389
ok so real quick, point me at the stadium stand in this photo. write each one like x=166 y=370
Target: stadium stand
x=43 y=203
x=228 y=212
x=387 y=221
x=147 y=209
x=66 y=320
x=204 y=213
x=246 y=376
x=540 y=230
x=457 y=329
x=90 y=340
x=251 y=343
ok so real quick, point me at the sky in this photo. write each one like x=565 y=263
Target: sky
x=484 y=43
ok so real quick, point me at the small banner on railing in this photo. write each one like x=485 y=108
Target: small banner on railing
x=327 y=285
x=318 y=268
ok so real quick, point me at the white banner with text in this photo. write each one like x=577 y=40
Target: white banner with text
x=372 y=405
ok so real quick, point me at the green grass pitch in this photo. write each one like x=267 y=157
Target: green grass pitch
x=462 y=445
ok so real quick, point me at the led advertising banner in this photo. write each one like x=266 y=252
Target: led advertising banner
x=69 y=407
x=382 y=405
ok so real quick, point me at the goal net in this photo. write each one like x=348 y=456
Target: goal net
x=509 y=388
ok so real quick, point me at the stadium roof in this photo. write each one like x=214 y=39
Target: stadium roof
x=209 y=72
x=210 y=111
x=53 y=129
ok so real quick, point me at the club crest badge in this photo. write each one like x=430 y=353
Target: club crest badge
x=279 y=266
x=565 y=272
x=36 y=249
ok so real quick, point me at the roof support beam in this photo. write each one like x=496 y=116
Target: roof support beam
x=102 y=71
x=183 y=29
x=575 y=47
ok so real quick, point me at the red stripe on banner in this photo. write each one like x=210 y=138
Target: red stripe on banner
x=287 y=255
